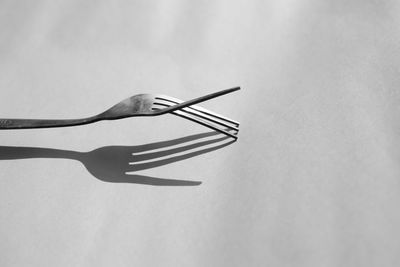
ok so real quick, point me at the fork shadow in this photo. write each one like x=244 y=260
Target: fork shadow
x=118 y=164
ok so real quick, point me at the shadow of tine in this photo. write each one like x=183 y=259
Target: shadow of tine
x=158 y=163
x=111 y=163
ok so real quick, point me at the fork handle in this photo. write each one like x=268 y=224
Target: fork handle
x=31 y=124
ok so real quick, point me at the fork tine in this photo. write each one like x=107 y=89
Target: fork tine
x=180 y=113
x=198 y=109
x=198 y=100
x=194 y=118
x=211 y=118
x=202 y=115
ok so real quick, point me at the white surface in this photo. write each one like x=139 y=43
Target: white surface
x=312 y=181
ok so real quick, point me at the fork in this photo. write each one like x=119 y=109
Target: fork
x=135 y=106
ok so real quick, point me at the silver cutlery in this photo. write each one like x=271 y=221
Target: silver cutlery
x=143 y=105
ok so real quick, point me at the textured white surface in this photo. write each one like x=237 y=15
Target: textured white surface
x=312 y=181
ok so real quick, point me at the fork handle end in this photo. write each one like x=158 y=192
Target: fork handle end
x=10 y=124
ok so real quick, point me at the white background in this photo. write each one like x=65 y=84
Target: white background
x=312 y=181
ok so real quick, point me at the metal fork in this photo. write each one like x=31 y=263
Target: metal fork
x=137 y=105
